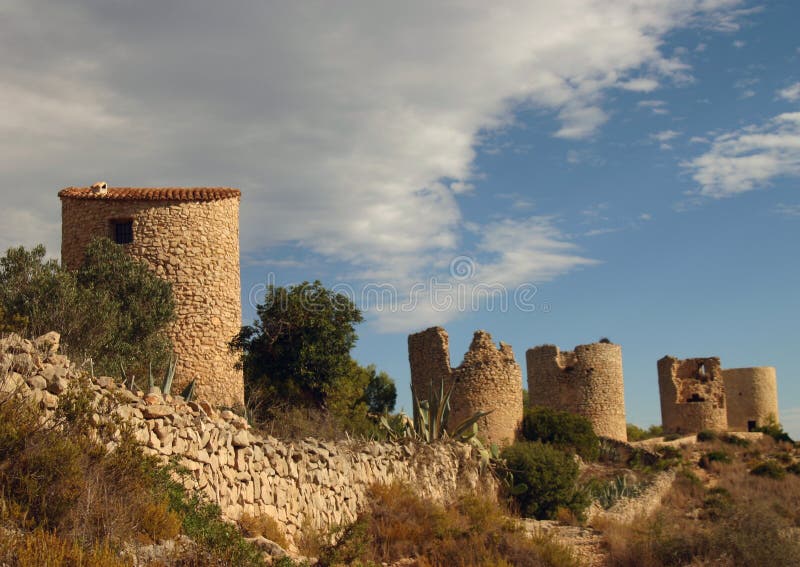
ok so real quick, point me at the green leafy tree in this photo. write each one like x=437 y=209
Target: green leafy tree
x=299 y=347
x=380 y=393
x=113 y=309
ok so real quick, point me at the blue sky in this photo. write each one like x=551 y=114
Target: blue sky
x=634 y=163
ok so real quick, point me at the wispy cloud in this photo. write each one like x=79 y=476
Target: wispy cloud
x=749 y=158
x=655 y=106
x=664 y=135
x=790 y=93
x=787 y=210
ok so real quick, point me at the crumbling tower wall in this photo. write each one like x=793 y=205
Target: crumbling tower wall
x=752 y=397
x=692 y=395
x=190 y=237
x=489 y=379
x=587 y=381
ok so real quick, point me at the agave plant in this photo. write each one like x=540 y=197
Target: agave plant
x=430 y=419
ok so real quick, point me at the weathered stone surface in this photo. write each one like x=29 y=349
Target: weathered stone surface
x=155 y=411
x=489 y=380
x=193 y=242
x=692 y=395
x=37 y=382
x=587 y=381
x=48 y=343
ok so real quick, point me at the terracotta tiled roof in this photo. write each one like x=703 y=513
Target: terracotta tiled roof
x=152 y=193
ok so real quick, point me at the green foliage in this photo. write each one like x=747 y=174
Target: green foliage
x=112 y=309
x=636 y=433
x=707 y=435
x=563 y=429
x=713 y=457
x=794 y=468
x=769 y=469
x=607 y=493
x=60 y=477
x=300 y=345
x=380 y=394
x=432 y=418
x=549 y=476
x=775 y=430
x=732 y=439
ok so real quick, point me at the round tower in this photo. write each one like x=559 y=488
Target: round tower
x=752 y=397
x=692 y=395
x=190 y=237
x=489 y=379
x=587 y=381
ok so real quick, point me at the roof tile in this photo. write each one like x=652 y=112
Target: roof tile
x=152 y=193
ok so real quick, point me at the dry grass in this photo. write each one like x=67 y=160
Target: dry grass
x=724 y=515
x=265 y=526
x=472 y=531
x=59 y=484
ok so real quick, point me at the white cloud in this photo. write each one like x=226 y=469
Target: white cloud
x=749 y=158
x=790 y=93
x=640 y=85
x=664 y=135
x=738 y=44
x=351 y=127
x=655 y=106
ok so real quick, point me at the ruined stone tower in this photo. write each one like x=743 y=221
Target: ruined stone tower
x=752 y=397
x=587 y=381
x=692 y=395
x=189 y=236
x=489 y=379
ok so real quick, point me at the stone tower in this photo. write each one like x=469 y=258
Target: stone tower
x=189 y=236
x=692 y=395
x=587 y=381
x=751 y=395
x=489 y=379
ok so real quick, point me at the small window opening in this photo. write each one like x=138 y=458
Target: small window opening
x=696 y=398
x=122 y=231
x=751 y=425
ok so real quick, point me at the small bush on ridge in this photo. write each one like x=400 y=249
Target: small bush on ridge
x=563 y=429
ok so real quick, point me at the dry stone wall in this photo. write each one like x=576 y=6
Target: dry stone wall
x=692 y=395
x=751 y=395
x=587 y=381
x=489 y=379
x=307 y=484
x=189 y=236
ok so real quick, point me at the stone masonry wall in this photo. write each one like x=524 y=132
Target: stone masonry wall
x=307 y=484
x=692 y=395
x=195 y=245
x=489 y=379
x=587 y=381
x=751 y=395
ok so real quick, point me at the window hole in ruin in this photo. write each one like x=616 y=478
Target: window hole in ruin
x=696 y=398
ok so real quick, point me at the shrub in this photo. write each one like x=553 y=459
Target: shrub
x=794 y=468
x=735 y=440
x=636 y=433
x=549 y=477
x=714 y=457
x=111 y=309
x=775 y=430
x=769 y=469
x=707 y=435
x=563 y=429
